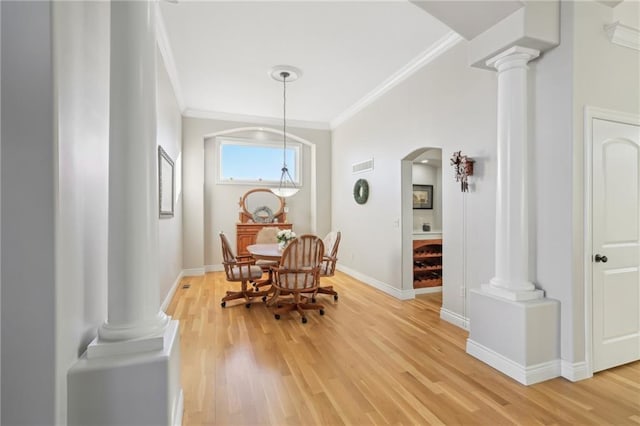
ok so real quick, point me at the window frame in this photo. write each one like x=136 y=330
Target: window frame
x=295 y=171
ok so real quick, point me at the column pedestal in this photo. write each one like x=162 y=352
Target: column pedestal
x=140 y=389
x=520 y=339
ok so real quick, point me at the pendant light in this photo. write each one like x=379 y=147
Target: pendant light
x=286 y=187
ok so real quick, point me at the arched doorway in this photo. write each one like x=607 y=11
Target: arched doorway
x=421 y=181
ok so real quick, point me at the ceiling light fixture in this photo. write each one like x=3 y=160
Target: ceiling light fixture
x=285 y=74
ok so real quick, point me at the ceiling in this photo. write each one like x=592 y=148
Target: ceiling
x=220 y=53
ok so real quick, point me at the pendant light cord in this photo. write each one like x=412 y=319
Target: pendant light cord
x=284 y=121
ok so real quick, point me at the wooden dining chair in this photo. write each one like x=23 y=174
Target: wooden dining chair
x=297 y=273
x=240 y=269
x=328 y=266
x=267 y=235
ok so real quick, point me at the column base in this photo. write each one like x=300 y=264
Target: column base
x=520 y=339
x=99 y=349
x=141 y=388
x=513 y=295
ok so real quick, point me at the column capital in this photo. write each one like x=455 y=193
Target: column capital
x=515 y=56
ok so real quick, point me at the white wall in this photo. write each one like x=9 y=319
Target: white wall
x=446 y=104
x=169 y=134
x=210 y=208
x=28 y=244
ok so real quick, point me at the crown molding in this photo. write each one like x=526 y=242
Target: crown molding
x=435 y=50
x=162 y=41
x=623 y=35
x=253 y=119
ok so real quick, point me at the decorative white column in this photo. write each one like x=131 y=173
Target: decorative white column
x=512 y=278
x=130 y=374
x=133 y=199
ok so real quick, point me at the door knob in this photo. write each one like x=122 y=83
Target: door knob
x=600 y=258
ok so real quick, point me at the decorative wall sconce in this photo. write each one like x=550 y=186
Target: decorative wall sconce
x=463 y=166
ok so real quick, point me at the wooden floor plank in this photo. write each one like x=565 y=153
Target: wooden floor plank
x=371 y=359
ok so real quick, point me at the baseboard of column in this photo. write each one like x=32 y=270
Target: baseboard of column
x=141 y=388
x=382 y=286
x=178 y=410
x=575 y=371
x=527 y=375
x=454 y=318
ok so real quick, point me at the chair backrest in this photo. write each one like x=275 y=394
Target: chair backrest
x=299 y=267
x=234 y=270
x=267 y=235
x=331 y=244
x=227 y=253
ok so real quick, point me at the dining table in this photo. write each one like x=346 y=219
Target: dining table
x=270 y=251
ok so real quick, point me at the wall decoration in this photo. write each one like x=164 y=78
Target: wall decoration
x=423 y=196
x=361 y=191
x=165 y=183
x=463 y=167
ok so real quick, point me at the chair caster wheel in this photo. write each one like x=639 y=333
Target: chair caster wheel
x=313 y=300
x=264 y=298
x=335 y=297
x=277 y=316
x=304 y=320
x=223 y=304
x=248 y=305
x=321 y=311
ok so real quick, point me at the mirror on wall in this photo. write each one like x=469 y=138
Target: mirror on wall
x=427 y=191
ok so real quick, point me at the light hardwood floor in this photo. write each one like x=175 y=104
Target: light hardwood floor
x=371 y=359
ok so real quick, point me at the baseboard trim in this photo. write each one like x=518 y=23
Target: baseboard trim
x=178 y=410
x=214 y=268
x=172 y=291
x=575 y=371
x=382 y=286
x=526 y=375
x=454 y=318
x=428 y=290
x=193 y=272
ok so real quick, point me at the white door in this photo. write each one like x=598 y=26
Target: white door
x=616 y=248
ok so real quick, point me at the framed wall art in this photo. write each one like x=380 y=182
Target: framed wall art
x=166 y=184
x=423 y=196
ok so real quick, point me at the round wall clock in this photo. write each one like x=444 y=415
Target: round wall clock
x=361 y=191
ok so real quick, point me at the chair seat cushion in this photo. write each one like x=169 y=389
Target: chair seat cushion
x=248 y=272
x=262 y=263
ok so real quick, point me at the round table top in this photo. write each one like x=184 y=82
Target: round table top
x=265 y=251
